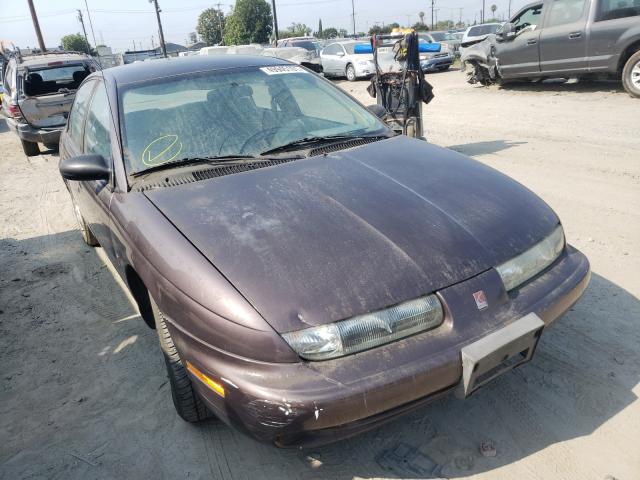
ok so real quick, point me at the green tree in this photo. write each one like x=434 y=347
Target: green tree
x=210 y=26
x=444 y=25
x=76 y=43
x=420 y=27
x=421 y=15
x=250 y=22
x=494 y=7
x=319 y=32
x=329 y=33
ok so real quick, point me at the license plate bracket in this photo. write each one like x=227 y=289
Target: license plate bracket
x=499 y=352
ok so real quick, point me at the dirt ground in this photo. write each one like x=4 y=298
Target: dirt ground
x=84 y=392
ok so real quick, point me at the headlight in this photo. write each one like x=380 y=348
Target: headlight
x=528 y=264
x=366 y=331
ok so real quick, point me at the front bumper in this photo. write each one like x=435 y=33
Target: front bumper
x=436 y=63
x=311 y=403
x=31 y=134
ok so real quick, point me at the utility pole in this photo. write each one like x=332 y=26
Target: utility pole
x=36 y=25
x=437 y=10
x=160 y=32
x=84 y=31
x=432 y=2
x=275 y=21
x=509 y=10
x=408 y=21
x=483 y=11
x=460 y=22
x=219 y=15
x=353 y=17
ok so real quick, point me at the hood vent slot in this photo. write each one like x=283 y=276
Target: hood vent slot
x=335 y=147
x=205 y=174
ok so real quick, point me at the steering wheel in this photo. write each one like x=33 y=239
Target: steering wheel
x=261 y=135
x=523 y=26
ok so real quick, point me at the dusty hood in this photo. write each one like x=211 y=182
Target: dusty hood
x=322 y=239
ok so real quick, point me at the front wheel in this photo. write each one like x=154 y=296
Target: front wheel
x=445 y=68
x=351 y=73
x=185 y=399
x=631 y=75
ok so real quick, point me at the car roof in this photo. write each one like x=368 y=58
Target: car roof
x=145 y=71
x=44 y=59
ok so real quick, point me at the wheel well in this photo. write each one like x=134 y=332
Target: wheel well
x=140 y=295
x=626 y=55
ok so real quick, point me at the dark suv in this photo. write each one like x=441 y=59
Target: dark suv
x=562 y=39
x=39 y=91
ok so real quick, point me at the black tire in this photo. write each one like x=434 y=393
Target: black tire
x=30 y=149
x=631 y=75
x=445 y=68
x=350 y=73
x=51 y=146
x=85 y=231
x=186 y=400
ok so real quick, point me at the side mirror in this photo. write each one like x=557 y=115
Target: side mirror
x=84 y=168
x=378 y=110
x=506 y=31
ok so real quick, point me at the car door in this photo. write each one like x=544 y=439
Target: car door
x=98 y=193
x=520 y=55
x=612 y=20
x=563 y=40
x=91 y=198
x=330 y=59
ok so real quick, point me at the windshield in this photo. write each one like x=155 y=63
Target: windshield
x=307 y=45
x=441 y=36
x=42 y=81
x=234 y=112
x=482 y=30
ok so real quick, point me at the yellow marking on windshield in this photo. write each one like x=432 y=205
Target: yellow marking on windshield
x=171 y=150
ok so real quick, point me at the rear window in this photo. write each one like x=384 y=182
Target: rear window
x=482 y=30
x=49 y=80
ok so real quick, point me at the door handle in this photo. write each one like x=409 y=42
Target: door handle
x=532 y=41
x=575 y=34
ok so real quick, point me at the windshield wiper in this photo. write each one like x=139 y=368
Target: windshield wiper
x=307 y=141
x=194 y=160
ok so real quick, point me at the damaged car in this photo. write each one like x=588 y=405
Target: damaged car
x=562 y=39
x=310 y=275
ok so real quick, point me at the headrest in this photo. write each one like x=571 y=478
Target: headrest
x=34 y=78
x=80 y=75
x=241 y=90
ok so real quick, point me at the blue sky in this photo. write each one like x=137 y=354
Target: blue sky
x=118 y=23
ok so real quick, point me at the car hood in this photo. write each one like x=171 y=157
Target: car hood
x=325 y=238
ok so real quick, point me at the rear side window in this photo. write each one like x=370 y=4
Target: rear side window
x=48 y=80
x=97 y=138
x=482 y=30
x=565 y=11
x=332 y=49
x=612 y=9
x=79 y=111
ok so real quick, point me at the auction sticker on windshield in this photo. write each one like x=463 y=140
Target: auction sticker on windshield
x=280 y=69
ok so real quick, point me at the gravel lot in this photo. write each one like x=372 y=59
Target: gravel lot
x=84 y=391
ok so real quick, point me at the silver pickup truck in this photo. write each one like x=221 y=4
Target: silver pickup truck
x=562 y=39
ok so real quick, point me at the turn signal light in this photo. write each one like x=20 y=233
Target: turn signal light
x=213 y=385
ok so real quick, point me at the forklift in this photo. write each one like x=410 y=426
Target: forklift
x=398 y=84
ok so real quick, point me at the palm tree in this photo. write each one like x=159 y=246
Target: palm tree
x=421 y=15
x=493 y=10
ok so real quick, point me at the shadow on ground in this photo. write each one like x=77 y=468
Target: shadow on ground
x=484 y=148
x=3 y=125
x=85 y=384
x=560 y=85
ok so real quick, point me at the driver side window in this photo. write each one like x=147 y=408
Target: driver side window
x=332 y=49
x=78 y=112
x=531 y=16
